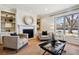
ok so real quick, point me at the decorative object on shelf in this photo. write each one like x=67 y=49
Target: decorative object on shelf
x=38 y=24
x=10 y=20
x=28 y=20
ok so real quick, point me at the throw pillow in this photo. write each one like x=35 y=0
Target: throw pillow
x=44 y=32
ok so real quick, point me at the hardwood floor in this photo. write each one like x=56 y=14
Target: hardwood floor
x=33 y=49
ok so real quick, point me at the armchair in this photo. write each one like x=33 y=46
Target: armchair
x=44 y=36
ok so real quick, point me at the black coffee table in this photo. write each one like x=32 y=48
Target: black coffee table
x=53 y=47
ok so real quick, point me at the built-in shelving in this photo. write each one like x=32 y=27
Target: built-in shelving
x=38 y=24
x=8 y=21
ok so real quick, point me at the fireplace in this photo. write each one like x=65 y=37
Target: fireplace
x=29 y=31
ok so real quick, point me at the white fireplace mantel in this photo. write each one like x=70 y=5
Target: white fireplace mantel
x=21 y=27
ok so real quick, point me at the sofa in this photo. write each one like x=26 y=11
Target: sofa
x=15 y=42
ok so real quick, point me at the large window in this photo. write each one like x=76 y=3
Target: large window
x=71 y=25
x=59 y=25
x=67 y=25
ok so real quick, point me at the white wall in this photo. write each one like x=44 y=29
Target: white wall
x=19 y=18
x=46 y=23
x=20 y=14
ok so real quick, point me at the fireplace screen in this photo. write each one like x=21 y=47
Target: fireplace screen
x=29 y=32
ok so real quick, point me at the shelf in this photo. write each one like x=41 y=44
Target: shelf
x=7 y=22
x=7 y=17
x=4 y=12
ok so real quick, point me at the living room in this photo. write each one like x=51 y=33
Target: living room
x=23 y=27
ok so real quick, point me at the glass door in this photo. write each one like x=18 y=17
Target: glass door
x=59 y=28
x=67 y=27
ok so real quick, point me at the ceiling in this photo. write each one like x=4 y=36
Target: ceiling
x=40 y=9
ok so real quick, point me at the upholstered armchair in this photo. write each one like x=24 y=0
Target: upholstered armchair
x=43 y=36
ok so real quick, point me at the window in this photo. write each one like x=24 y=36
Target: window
x=59 y=25
x=71 y=25
x=67 y=25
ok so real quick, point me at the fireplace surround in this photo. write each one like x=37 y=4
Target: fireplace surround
x=26 y=30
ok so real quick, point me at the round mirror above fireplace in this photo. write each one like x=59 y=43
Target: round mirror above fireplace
x=28 y=20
